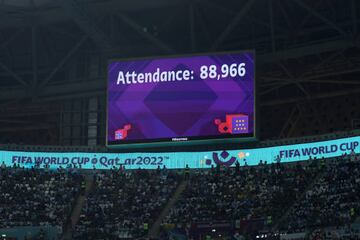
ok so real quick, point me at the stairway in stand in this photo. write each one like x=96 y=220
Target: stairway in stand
x=154 y=230
x=75 y=215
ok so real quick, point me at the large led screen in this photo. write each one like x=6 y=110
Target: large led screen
x=181 y=98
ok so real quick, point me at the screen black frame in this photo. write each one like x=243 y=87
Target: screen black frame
x=210 y=139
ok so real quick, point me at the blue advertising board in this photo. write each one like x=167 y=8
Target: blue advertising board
x=178 y=160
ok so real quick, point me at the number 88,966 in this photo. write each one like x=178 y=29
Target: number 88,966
x=233 y=70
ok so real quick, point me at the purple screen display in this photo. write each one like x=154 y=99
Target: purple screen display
x=181 y=98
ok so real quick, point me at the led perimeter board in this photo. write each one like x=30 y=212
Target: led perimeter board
x=181 y=98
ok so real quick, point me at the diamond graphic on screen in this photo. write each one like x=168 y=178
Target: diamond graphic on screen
x=122 y=133
x=180 y=107
x=234 y=124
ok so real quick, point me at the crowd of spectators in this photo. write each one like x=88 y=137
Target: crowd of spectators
x=297 y=196
x=314 y=193
x=333 y=200
x=125 y=203
x=37 y=197
x=238 y=193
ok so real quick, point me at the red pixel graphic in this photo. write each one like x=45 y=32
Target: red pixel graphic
x=122 y=133
x=234 y=124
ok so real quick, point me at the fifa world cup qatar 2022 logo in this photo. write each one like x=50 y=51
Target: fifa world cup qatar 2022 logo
x=223 y=159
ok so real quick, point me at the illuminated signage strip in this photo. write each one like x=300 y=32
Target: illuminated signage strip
x=176 y=160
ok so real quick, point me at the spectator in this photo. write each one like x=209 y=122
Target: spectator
x=237 y=167
x=187 y=172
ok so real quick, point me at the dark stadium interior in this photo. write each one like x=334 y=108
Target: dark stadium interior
x=53 y=98
x=54 y=56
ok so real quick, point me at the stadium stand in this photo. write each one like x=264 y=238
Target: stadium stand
x=34 y=197
x=253 y=193
x=332 y=201
x=319 y=196
x=125 y=203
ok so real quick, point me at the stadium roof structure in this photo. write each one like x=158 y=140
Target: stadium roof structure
x=54 y=55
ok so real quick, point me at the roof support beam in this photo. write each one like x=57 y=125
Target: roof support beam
x=271 y=16
x=233 y=24
x=139 y=29
x=321 y=17
x=87 y=24
x=63 y=61
x=305 y=51
x=12 y=73
x=12 y=38
x=354 y=17
x=313 y=96
x=192 y=27
x=34 y=53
